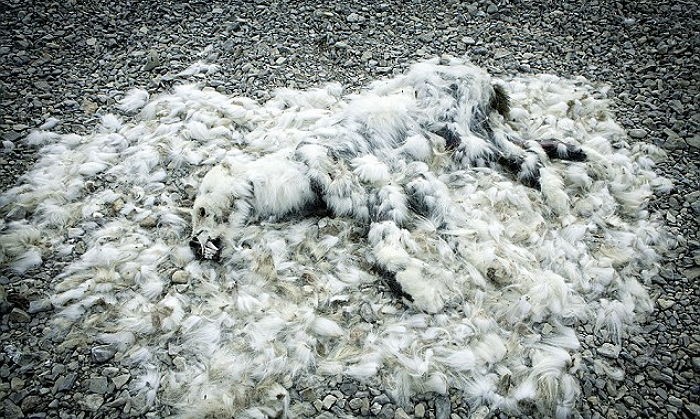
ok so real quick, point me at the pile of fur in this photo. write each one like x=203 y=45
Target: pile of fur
x=320 y=207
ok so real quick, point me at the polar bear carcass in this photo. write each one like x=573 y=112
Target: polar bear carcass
x=382 y=158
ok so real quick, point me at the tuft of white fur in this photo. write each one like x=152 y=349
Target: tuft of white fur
x=200 y=67
x=426 y=296
x=134 y=100
x=111 y=123
x=460 y=360
x=370 y=169
x=26 y=261
x=40 y=138
x=326 y=327
x=50 y=123
x=552 y=189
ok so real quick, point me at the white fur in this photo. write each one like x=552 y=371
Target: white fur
x=134 y=100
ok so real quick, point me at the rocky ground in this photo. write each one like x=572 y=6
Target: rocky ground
x=72 y=60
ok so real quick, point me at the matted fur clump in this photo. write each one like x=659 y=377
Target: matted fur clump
x=318 y=201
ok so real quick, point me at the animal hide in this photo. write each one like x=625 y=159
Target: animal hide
x=414 y=233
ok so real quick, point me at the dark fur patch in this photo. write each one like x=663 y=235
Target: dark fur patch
x=198 y=249
x=571 y=152
x=389 y=278
x=452 y=140
x=500 y=102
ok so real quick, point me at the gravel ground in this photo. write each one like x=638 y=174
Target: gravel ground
x=71 y=61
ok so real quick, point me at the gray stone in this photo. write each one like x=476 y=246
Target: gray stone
x=92 y=402
x=401 y=414
x=443 y=409
x=30 y=403
x=42 y=85
x=348 y=388
x=694 y=141
x=19 y=316
x=387 y=412
x=381 y=399
x=39 y=306
x=118 y=402
x=103 y=353
x=426 y=37
x=355 y=403
x=11 y=410
x=64 y=382
x=419 y=410
x=120 y=380
x=354 y=18
x=180 y=277
x=609 y=350
x=152 y=61
x=97 y=385
x=665 y=304
x=16 y=383
x=364 y=409
x=481 y=413
x=694 y=348
x=675 y=401
x=638 y=133
x=149 y=222
x=329 y=401
x=11 y=136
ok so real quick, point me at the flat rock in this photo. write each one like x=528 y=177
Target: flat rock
x=92 y=401
x=64 y=382
x=120 y=380
x=638 y=133
x=348 y=388
x=19 y=316
x=443 y=409
x=39 y=306
x=665 y=303
x=11 y=410
x=97 y=385
x=401 y=414
x=180 y=277
x=419 y=410
x=354 y=18
x=152 y=61
x=609 y=350
x=329 y=401
x=103 y=353
x=355 y=403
